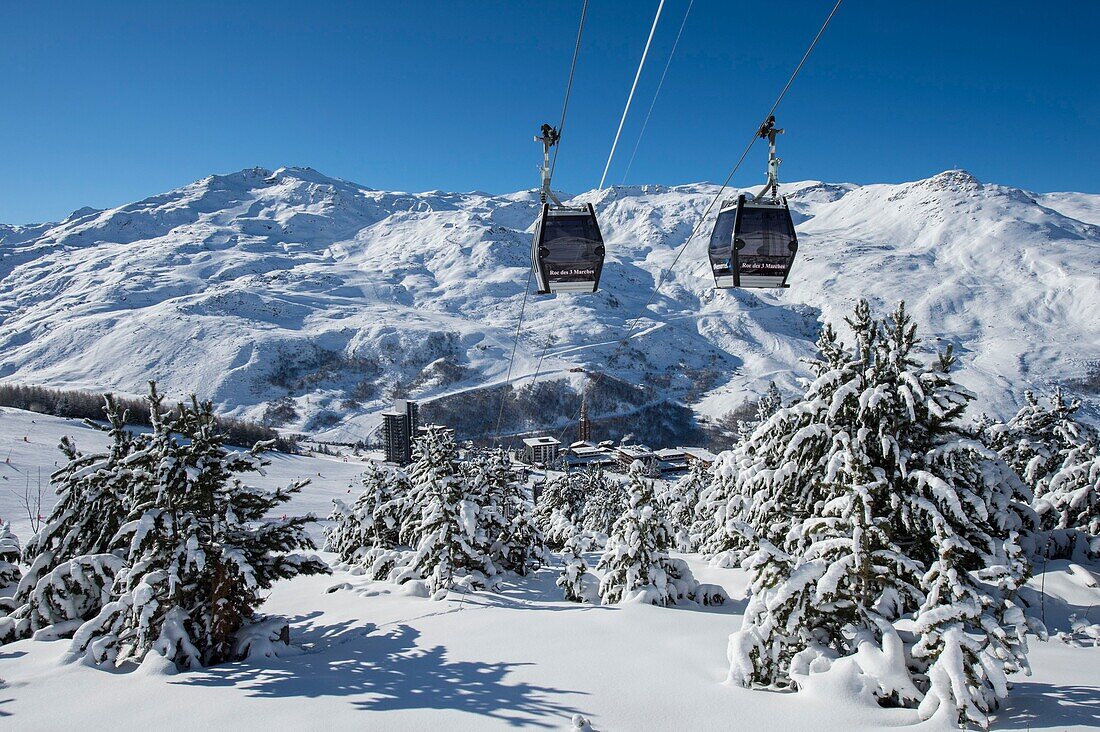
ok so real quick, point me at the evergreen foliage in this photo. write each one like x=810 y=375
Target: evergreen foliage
x=373 y=520
x=200 y=549
x=452 y=540
x=1059 y=458
x=453 y=520
x=94 y=492
x=516 y=543
x=559 y=510
x=574 y=570
x=9 y=557
x=635 y=560
x=64 y=597
x=865 y=503
x=585 y=500
x=680 y=500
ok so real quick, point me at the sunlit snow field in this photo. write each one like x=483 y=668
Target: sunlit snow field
x=374 y=657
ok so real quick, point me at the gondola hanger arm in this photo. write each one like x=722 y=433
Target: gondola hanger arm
x=768 y=131
x=548 y=138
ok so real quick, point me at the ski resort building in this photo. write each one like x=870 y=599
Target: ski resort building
x=399 y=429
x=699 y=455
x=540 y=450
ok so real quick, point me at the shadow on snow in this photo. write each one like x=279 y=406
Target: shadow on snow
x=1033 y=704
x=389 y=671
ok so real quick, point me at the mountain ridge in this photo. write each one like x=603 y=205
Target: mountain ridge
x=287 y=292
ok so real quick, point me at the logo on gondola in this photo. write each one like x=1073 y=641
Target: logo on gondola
x=572 y=272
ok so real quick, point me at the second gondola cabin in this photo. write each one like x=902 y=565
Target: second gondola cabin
x=753 y=243
x=567 y=251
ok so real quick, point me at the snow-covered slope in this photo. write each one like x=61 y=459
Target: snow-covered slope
x=292 y=289
x=377 y=657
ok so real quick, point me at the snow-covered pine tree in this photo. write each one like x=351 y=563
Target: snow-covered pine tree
x=971 y=634
x=1034 y=441
x=94 y=492
x=516 y=541
x=605 y=499
x=1059 y=458
x=371 y=521
x=636 y=557
x=761 y=489
x=202 y=548
x=710 y=534
x=680 y=500
x=9 y=557
x=452 y=542
x=485 y=476
x=833 y=572
x=559 y=511
x=888 y=497
x=1069 y=505
x=574 y=568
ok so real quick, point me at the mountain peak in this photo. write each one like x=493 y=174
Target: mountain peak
x=310 y=175
x=957 y=179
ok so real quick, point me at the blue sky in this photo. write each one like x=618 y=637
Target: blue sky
x=105 y=103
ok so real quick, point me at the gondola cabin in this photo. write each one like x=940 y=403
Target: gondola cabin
x=567 y=250
x=753 y=243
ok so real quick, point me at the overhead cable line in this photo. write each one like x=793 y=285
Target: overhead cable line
x=725 y=184
x=569 y=85
x=527 y=289
x=630 y=97
x=657 y=93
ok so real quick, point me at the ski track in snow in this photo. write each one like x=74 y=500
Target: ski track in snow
x=257 y=285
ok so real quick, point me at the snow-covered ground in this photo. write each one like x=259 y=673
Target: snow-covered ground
x=258 y=286
x=376 y=658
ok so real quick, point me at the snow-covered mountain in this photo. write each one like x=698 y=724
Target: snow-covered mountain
x=310 y=301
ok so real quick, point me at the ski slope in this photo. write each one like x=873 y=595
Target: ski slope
x=374 y=657
x=260 y=286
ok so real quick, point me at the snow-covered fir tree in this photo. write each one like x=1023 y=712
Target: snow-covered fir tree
x=9 y=556
x=605 y=499
x=94 y=493
x=1059 y=458
x=574 y=572
x=516 y=542
x=710 y=533
x=971 y=634
x=635 y=559
x=373 y=519
x=201 y=548
x=718 y=529
x=1070 y=503
x=452 y=543
x=559 y=511
x=884 y=501
x=1034 y=441
x=679 y=501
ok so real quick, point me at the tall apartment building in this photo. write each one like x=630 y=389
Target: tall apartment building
x=399 y=427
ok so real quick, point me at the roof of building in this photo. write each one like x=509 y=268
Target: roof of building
x=670 y=453
x=634 y=451
x=699 y=453
x=537 y=441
